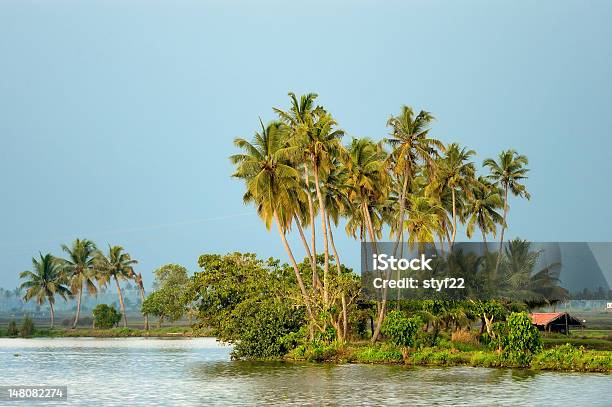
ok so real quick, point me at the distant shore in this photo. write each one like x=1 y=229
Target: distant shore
x=164 y=332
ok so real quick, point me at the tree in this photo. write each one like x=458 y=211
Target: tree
x=167 y=302
x=44 y=282
x=368 y=181
x=400 y=330
x=105 y=316
x=273 y=185
x=138 y=278
x=411 y=146
x=508 y=172
x=247 y=302
x=522 y=339
x=80 y=270
x=118 y=265
x=481 y=209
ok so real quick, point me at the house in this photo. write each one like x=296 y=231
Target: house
x=554 y=321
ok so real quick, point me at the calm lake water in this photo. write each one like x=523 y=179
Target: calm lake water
x=141 y=371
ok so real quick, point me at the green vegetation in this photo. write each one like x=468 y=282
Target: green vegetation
x=167 y=302
x=27 y=327
x=105 y=317
x=12 y=330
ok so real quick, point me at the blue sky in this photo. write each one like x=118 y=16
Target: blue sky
x=117 y=117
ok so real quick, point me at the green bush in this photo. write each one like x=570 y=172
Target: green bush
x=12 y=329
x=400 y=330
x=27 y=327
x=521 y=340
x=105 y=317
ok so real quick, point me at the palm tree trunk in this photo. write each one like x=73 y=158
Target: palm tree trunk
x=454 y=220
x=78 y=310
x=313 y=240
x=142 y=299
x=52 y=312
x=484 y=242
x=400 y=228
x=501 y=240
x=121 y=302
x=339 y=269
x=298 y=276
x=383 y=302
x=325 y=240
x=313 y=261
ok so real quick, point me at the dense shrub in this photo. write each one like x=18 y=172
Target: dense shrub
x=521 y=340
x=105 y=317
x=27 y=327
x=12 y=328
x=401 y=330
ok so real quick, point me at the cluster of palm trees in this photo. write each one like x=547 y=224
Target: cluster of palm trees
x=298 y=173
x=84 y=268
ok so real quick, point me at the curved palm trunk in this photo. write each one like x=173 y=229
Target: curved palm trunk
x=383 y=302
x=78 y=310
x=484 y=242
x=339 y=270
x=313 y=261
x=52 y=312
x=121 y=302
x=400 y=229
x=501 y=240
x=142 y=298
x=454 y=235
x=323 y=214
x=298 y=276
x=313 y=240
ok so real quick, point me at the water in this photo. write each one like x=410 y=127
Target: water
x=143 y=371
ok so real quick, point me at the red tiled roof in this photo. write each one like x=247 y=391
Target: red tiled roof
x=544 y=318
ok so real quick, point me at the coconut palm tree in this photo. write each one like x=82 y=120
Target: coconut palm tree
x=508 y=173
x=272 y=184
x=80 y=270
x=366 y=165
x=299 y=118
x=482 y=209
x=117 y=265
x=44 y=282
x=411 y=147
x=456 y=174
x=423 y=223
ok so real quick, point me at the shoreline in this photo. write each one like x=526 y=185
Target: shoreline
x=562 y=358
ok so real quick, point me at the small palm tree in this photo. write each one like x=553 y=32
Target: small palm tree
x=117 y=265
x=482 y=209
x=455 y=173
x=80 y=270
x=44 y=282
x=508 y=172
x=411 y=146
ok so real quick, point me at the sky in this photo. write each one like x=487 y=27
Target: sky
x=117 y=117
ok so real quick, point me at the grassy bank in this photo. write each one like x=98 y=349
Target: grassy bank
x=560 y=358
x=172 y=331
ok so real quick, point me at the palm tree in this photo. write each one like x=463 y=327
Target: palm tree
x=80 y=269
x=456 y=174
x=138 y=278
x=508 y=173
x=118 y=265
x=272 y=184
x=411 y=146
x=44 y=282
x=481 y=209
x=299 y=118
x=423 y=223
x=366 y=165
